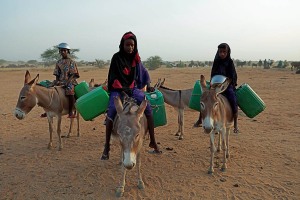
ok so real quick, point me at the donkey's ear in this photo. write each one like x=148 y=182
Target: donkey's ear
x=203 y=82
x=142 y=108
x=118 y=104
x=27 y=77
x=162 y=83
x=157 y=84
x=222 y=87
x=36 y=79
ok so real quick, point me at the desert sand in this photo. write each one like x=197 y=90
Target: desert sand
x=264 y=162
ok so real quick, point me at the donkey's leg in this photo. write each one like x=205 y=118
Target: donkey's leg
x=141 y=184
x=212 y=152
x=227 y=142
x=178 y=120
x=50 y=122
x=78 y=131
x=120 y=189
x=181 y=123
x=59 y=132
x=224 y=148
x=71 y=127
x=219 y=142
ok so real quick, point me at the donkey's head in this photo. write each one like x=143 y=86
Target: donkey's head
x=27 y=98
x=130 y=129
x=210 y=104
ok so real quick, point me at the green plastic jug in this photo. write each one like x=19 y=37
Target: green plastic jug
x=196 y=94
x=92 y=104
x=249 y=102
x=81 y=89
x=156 y=100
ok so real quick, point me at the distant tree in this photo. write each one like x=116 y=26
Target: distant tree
x=2 y=61
x=180 y=64
x=201 y=64
x=51 y=55
x=208 y=63
x=21 y=62
x=100 y=63
x=191 y=64
x=153 y=62
x=32 y=62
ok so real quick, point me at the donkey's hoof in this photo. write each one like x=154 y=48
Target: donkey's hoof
x=223 y=169
x=141 y=185
x=210 y=170
x=50 y=146
x=120 y=191
x=180 y=138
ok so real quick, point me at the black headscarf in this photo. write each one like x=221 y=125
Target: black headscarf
x=224 y=66
x=122 y=71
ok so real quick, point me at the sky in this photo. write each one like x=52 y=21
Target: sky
x=172 y=29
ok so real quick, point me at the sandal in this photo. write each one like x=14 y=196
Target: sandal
x=105 y=154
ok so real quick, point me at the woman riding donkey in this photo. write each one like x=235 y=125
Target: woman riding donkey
x=66 y=73
x=223 y=65
x=127 y=74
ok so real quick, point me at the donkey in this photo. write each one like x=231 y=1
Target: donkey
x=52 y=100
x=130 y=126
x=217 y=117
x=179 y=99
x=93 y=85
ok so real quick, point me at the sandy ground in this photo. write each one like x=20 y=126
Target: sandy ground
x=264 y=161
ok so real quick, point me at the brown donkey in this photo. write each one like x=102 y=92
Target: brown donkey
x=130 y=127
x=217 y=117
x=53 y=100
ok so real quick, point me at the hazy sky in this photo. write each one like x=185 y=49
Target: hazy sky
x=172 y=29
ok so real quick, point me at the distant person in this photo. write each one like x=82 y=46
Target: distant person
x=127 y=74
x=223 y=65
x=66 y=73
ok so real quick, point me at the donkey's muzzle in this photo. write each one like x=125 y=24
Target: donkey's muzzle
x=19 y=114
x=207 y=129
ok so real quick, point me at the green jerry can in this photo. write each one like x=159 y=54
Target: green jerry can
x=196 y=94
x=81 y=89
x=156 y=100
x=45 y=83
x=249 y=102
x=92 y=104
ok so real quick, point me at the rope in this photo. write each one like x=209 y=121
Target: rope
x=156 y=106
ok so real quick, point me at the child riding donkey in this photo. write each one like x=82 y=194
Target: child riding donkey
x=66 y=73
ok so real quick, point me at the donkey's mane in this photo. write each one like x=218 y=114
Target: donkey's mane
x=167 y=88
x=129 y=102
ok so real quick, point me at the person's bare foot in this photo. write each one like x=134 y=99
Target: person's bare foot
x=71 y=115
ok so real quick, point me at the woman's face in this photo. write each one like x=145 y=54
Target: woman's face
x=223 y=53
x=129 y=46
